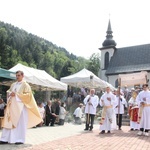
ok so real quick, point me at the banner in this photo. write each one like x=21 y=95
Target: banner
x=133 y=79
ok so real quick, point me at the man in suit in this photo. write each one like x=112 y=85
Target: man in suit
x=69 y=96
x=50 y=115
x=57 y=110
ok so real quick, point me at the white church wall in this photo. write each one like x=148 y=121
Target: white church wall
x=112 y=79
x=103 y=77
x=102 y=72
x=110 y=51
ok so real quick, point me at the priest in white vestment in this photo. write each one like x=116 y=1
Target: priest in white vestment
x=108 y=117
x=119 y=109
x=21 y=112
x=143 y=99
x=91 y=102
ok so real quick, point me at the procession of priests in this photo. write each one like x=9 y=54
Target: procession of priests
x=22 y=112
x=138 y=106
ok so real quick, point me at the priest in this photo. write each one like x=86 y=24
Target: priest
x=143 y=99
x=108 y=117
x=21 y=112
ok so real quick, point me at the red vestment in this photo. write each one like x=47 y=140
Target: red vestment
x=133 y=113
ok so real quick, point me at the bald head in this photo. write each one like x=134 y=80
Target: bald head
x=92 y=91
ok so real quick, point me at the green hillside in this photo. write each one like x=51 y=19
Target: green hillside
x=19 y=46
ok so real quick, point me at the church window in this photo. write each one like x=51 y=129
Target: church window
x=106 y=60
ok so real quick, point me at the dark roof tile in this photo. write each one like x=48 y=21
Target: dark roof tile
x=130 y=59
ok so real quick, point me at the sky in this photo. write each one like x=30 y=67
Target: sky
x=80 y=25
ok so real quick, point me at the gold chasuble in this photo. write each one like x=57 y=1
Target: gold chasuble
x=14 y=108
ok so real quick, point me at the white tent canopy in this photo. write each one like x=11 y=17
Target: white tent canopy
x=84 y=78
x=39 y=79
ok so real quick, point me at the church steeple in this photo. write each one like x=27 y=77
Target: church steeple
x=109 y=31
x=109 y=38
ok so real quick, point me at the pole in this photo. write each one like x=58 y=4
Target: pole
x=119 y=83
x=88 y=117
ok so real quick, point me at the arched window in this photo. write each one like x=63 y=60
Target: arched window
x=116 y=83
x=106 y=60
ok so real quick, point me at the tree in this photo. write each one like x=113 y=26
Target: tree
x=4 y=48
x=19 y=46
x=66 y=69
x=94 y=63
x=60 y=61
x=14 y=58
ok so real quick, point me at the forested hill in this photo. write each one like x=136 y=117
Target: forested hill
x=19 y=46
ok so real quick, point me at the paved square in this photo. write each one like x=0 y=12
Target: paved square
x=73 y=137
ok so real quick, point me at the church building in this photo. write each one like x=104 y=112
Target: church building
x=115 y=61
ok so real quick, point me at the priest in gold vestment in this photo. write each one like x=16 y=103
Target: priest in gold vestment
x=21 y=112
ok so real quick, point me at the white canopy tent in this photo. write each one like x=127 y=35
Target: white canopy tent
x=84 y=78
x=40 y=79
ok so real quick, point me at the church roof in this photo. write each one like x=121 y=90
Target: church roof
x=130 y=59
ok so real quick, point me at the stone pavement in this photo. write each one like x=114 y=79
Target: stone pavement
x=72 y=137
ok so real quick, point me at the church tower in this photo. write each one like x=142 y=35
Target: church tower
x=107 y=51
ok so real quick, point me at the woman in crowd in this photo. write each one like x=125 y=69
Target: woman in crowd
x=62 y=114
x=42 y=112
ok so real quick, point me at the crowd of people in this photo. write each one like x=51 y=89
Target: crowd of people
x=52 y=113
x=22 y=111
x=113 y=103
x=2 y=107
